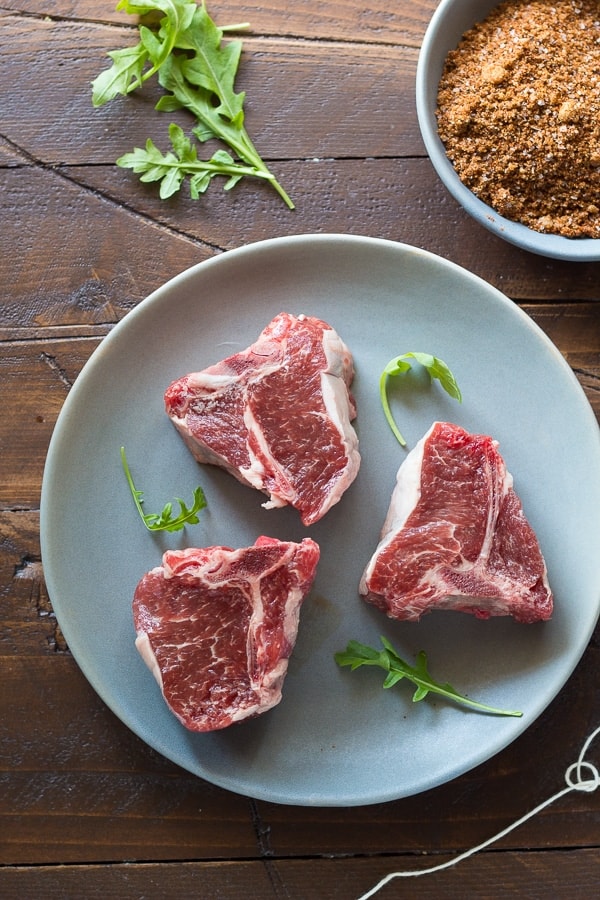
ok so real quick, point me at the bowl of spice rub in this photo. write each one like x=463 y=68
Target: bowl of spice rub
x=508 y=101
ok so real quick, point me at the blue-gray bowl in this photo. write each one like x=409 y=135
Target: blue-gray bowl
x=450 y=21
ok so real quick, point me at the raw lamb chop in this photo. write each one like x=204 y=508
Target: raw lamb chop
x=277 y=415
x=216 y=627
x=455 y=536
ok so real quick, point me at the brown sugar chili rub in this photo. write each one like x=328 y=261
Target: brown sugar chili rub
x=519 y=113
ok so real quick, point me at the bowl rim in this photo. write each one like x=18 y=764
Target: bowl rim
x=449 y=21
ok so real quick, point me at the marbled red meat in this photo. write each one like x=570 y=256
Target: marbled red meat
x=277 y=415
x=455 y=536
x=216 y=627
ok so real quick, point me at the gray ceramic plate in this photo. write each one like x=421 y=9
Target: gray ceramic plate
x=336 y=739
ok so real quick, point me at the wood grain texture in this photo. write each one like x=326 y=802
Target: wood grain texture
x=499 y=875
x=86 y=808
x=79 y=259
x=104 y=241
x=345 y=20
x=294 y=108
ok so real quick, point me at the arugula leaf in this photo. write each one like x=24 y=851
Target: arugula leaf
x=172 y=168
x=356 y=655
x=198 y=72
x=214 y=67
x=211 y=123
x=437 y=369
x=125 y=75
x=164 y=520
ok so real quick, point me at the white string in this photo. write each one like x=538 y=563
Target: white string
x=574 y=776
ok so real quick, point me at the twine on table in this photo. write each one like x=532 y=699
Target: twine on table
x=580 y=776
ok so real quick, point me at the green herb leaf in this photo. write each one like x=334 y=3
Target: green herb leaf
x=214 y=67
x=191 y=63
x=127 y=71
x=211 y=110
x=164 y=521
x=172 y=168
x=124 y=74
x=438 y=370
x=356 y=655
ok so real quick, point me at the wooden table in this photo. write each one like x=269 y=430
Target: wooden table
x=86 y=808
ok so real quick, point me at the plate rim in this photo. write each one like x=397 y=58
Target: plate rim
x=139 y=310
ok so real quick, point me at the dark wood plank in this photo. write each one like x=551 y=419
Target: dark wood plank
x=346 y=20
x=84 y=787
x=395 y=199
x=85 y=10
x=374 y=115
x=570 y=876
x=122 y=254
x=28 y=622
x=87 y=809
x=79 y=259
x=38 y=376
x=10 y=156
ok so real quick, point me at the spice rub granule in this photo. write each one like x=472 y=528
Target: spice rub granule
x=519 y=113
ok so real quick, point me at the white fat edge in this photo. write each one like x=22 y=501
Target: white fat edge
x=545 y=576
x=254 y=474
x=293 y=602
x=407 y=490
x=274 y=503
x=144 y=648
x=338 y=355
x=336 y=399
x=274 y=697
x=188 y=563
x=334 y=384
x=203 y=381
x=404 y=499
x=292 y=616
x=498 y=488
x=340 y=364
x=208 y=380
